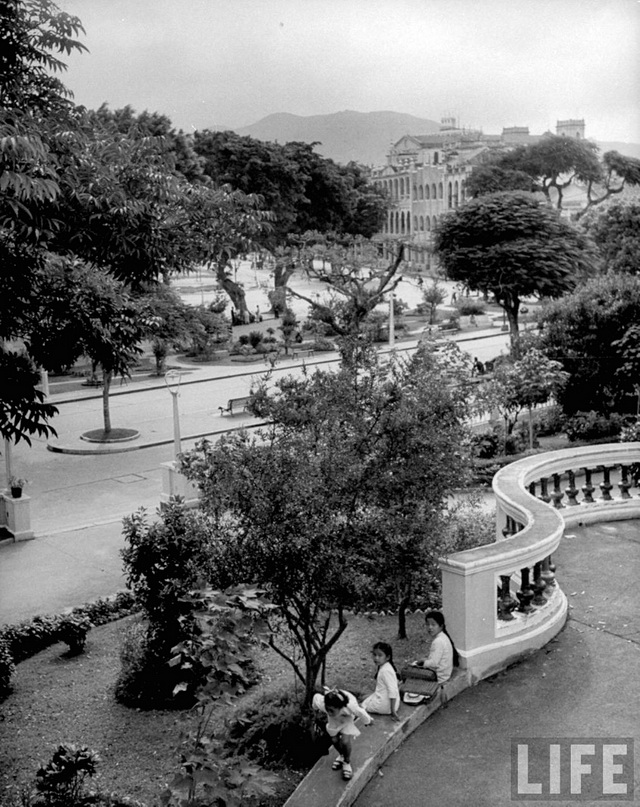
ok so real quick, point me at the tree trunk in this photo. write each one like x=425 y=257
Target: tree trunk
x=530 y=428
x=284 y=268
x=402 y=619
x=233 y=289
x=106 y=385
x=511 y=310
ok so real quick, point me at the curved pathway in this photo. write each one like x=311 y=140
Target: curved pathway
x=582 y=684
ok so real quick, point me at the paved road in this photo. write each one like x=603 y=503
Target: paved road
x=71 y=490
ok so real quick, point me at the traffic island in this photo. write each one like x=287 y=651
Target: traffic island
x=112 y=436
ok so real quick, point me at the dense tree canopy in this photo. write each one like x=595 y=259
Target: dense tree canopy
x=303 y=190
x=583 y=331
x=345 y=489
x=511 y=246
x=615 y=229
x=553 y=164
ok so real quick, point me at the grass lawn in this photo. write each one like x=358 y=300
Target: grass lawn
x=60 y=699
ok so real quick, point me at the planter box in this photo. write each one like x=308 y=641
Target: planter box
x=15 y=516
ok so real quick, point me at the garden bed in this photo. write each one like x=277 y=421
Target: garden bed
x=61 y=699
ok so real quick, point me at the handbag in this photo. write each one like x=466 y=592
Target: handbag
x=417 y=681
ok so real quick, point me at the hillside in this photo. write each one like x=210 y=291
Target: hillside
x=361 y=136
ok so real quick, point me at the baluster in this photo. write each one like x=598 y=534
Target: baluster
x=532 y=488
x=525 y=593
x=587 y=488
x=605 y=485
x=624 y=484
x=544 y=494
x=572 y=490
x=506 y=603
x=539 y=585
x=557 y=493
x=508 y=528
x=547 y=573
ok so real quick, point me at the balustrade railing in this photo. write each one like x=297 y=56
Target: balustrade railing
x=504 y=600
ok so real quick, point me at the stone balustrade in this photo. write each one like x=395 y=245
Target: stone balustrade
x=504 y=600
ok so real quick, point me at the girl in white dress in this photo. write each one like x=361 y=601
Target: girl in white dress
x=386 y=699
x=342 y=710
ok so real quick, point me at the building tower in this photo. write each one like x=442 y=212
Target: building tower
x=570 y=128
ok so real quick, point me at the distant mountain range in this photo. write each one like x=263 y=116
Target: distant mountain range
x=361 y=136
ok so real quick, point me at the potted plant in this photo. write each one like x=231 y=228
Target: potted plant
x=16 y=484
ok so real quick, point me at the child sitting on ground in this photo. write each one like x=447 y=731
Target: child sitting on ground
x=386 y=698
x=341 y=709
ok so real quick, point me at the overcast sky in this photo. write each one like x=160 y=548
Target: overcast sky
x=491 y=63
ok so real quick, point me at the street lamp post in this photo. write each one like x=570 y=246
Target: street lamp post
x=172 y=379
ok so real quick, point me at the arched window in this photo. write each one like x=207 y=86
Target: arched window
x=421 y=192
x=391 y=230
x=422 y=222
x=415 y=224
x=434 y=194
x=428 y=224
x=436 y=158
x=426 y=192
x=456 y=194
x=449 y=194
x=440 y=190
x=395 y=188
x=397 y=222
x=415 y=192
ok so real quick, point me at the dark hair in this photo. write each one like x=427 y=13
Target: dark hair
x=335 y=699
x=388 y=651
x=438 y=617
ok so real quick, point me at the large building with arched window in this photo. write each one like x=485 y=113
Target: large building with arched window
x=424 y=177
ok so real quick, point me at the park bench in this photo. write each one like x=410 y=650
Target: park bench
x=235 y=405
x=304 y=353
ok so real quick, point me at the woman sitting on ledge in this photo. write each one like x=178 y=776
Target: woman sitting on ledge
x=443 y=656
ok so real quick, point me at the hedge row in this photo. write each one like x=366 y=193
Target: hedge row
x=25 y=639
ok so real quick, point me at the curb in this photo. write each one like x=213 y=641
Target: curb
x=120 y=448
x=321 y=787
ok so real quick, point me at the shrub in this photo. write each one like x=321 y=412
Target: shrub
x=321 y=343
x=278 y=300
x=7 y=669
x=72 y=630
x=243 y=339
x=136 y=669
x=61 y=780
x=486 y=444
x=164 y=562
x=274 y=732
x=549 y=420
x=31 y=636
x=255 y=337
x=469 y=306
x=593 y=426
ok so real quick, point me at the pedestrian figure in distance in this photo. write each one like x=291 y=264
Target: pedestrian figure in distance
x=454 y=297
x=478 y=367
